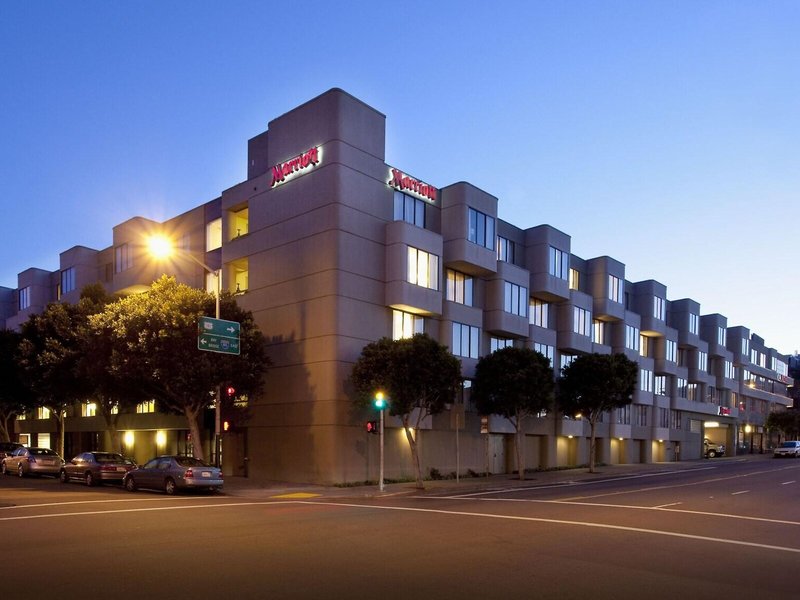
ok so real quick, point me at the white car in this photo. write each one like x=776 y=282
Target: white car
x=787 y=449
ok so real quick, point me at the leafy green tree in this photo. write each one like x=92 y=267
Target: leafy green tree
x=596 y=383
x=50 y=357
x=418 y=374
x=153 y=342
x=515 y=383
x=786 y=422
x=15 y=397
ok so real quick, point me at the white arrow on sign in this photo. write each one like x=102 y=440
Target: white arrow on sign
x=231 y=329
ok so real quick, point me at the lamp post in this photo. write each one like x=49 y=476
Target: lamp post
x=749 y=429
x=380 y=404
x=161 y=248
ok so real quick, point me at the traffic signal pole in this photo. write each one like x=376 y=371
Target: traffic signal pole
x=380 y=481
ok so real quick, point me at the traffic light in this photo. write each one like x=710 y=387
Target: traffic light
x=372 y=427
x=230 y=391
x=380 y=401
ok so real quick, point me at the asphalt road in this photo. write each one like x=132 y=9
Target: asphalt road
x=723 y=529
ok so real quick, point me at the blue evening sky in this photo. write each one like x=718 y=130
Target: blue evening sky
x=661 y=133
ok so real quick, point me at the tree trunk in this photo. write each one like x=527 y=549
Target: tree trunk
x=61 y=420
x=198 y=448
x=111 y=426
x=592 y=449
x=5 y=429
x=412 y=443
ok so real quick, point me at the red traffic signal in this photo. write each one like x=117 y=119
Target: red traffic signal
x=372 y=427
x=230 y=391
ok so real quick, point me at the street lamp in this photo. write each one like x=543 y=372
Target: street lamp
x=161 y=248
x=380 y=403
x=749 y=429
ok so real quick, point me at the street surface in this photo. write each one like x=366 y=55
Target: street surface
x=727 y=528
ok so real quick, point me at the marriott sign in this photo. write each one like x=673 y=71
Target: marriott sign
x=302 y=161
x=404 y=183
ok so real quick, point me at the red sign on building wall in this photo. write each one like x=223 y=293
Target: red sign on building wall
x=302 y=161
x=404 y=183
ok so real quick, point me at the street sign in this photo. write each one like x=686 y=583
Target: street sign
x=218 y=335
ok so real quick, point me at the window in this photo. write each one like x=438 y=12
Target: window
x=538 y=312
x=615 y=289
x=658 y=308
x=88 y=409
x=644 y=345
x=465 y=340
x=240 y=222
x=730 y=370
x=405 y=325
x=67 y=280
x=214 y=235
x=675 y=419
x=672 y=351
x=682 y=390
x=780 y=367
x=566 y=360
x=632 y=337
x=211 y=283
x=624 y=415
x=682 y=357
x=645 y=380
x=660 y=385
x=559 y=263
x=24 y=298
x=42 y=412
x=123 y=259
x=409 y=209
x=423 y=268
x=544 y=349
x=515 y=299
x=459 y=287
x=640 y=414
x=745 y=346
x=239 y=272
x=663 y=417
x=691 y=392
x=574 y=279
x=581 y=321
x=505 y=250
x=497 y=343
x=702 y=360
x=694 y=323
x=149 y=406
x=598 y=332
x=481 y=229
x=722 y=336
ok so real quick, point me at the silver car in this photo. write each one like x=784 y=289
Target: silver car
x=32 y=461
x=94 y=468
x=173 y=473
x=791 y=448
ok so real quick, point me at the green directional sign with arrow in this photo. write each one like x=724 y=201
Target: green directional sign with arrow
x=218 y=335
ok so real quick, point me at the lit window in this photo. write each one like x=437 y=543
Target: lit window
x=88 y=409
x=660 y=386
x=722 y=336
x=405 y=325
x=240 y=222
x=67 y=280
x=598 y=332
x=645 y=380
x=42 y=412
x=465 y=340
x=671 y=350
x=659 y=308
x=240 y=276
x=515 y=299
x=481 y=229
x=702 y=360
x=214 y=235
x=615 y=289
x=694 y=323
x=538 y=312
x=644 y=345
x=459 y=287
x=423 y=268
x=409 y=209
x=148 y=406
x=581 y=321
x=574 y=279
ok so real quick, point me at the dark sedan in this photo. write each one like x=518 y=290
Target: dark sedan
x=173 y=473
x=93 y=468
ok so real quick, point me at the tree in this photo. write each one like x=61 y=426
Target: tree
x=419 y=376
x=153 y=342
x=593 y=384
x=786 y=422
x=50 y=355
x=515 y=383
x=15 y=397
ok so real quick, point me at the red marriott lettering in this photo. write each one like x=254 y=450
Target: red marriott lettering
x=401 y=181
x=281 y=171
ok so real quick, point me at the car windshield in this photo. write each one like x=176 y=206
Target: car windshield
x=788 y=444
x=190 y=461
x=108 y=458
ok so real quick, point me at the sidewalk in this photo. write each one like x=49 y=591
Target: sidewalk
x=247 y=488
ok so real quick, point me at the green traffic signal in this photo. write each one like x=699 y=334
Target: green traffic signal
x=380 y=401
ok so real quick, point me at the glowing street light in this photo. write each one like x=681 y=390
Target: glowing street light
x=380 y=403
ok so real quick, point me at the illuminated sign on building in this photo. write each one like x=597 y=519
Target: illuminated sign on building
x=724 y=411
x=404 y=183
x=282 y=171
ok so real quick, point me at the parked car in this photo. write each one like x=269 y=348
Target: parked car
x=93 y=468
x=6 y=448
x=712 y=449
x=173 y=473
x=791 y=448
x=32 y=461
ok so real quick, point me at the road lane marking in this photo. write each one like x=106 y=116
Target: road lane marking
x=787 y=482
x=742 y=492
x=666 y=505
x=297 y=495
x=108 y=501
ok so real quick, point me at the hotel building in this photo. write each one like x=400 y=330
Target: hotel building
x=332 y=248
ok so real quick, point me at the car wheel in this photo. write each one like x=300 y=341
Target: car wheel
x=20 y=470
x=170 y=487
x=63 y=476
x=712 y=453
x=89 y=479
x=4 y=468
x=130 y=484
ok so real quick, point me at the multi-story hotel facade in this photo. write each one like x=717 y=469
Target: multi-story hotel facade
x=332 y=248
